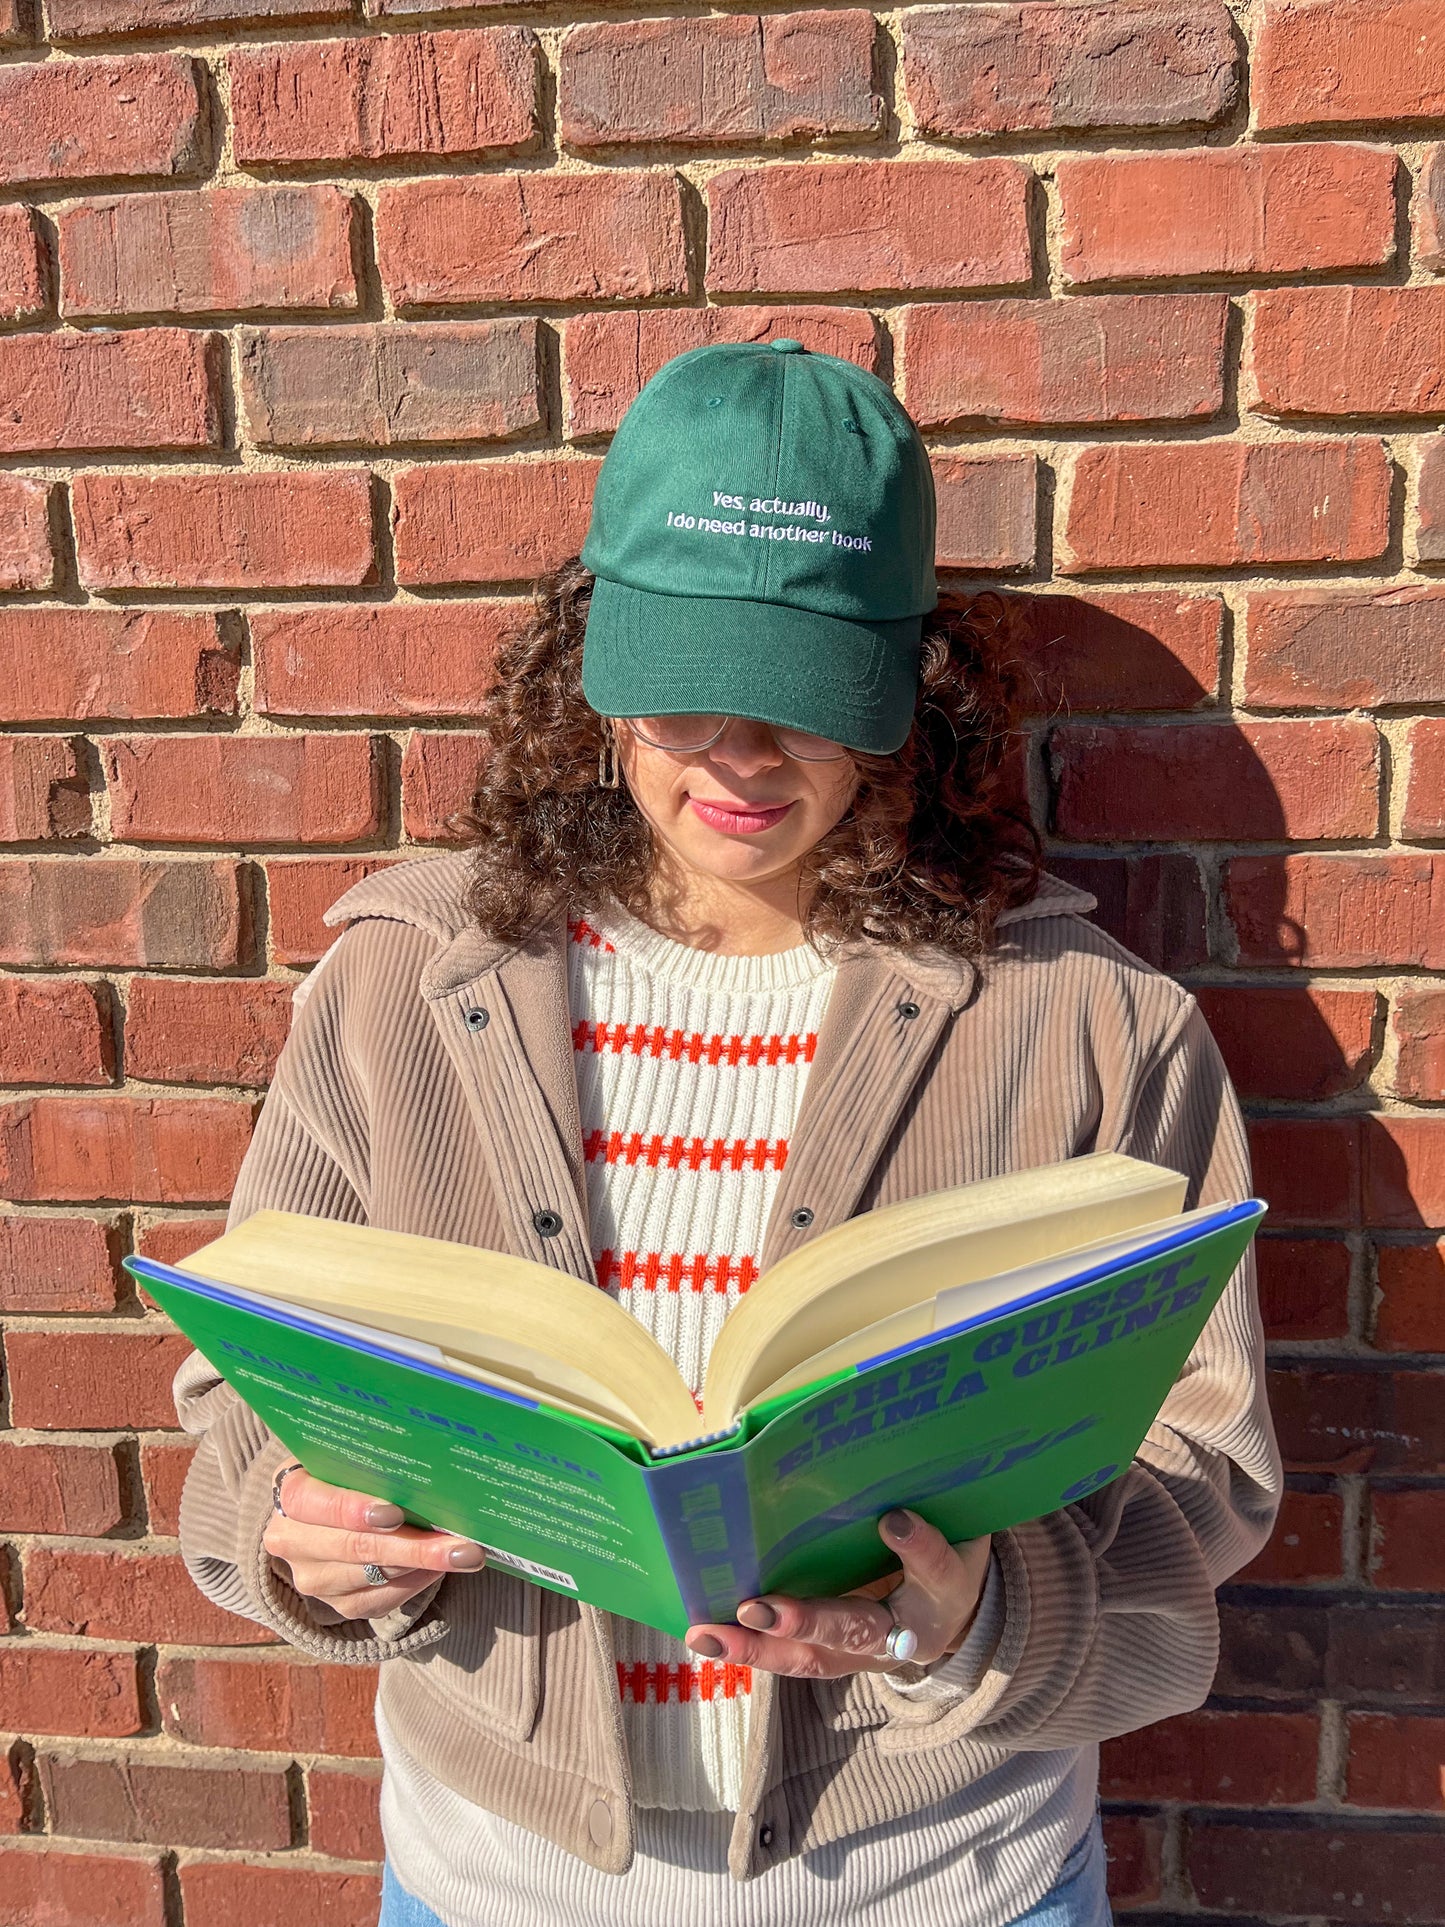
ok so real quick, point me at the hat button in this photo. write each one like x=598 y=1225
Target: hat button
x=785 y=345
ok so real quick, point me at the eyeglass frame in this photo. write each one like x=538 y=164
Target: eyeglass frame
x=841 y=750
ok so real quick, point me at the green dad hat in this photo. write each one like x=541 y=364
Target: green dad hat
x=762 y=540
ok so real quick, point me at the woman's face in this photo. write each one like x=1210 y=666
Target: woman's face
x=743 y=810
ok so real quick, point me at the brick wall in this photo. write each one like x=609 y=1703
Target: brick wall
x=315 y=326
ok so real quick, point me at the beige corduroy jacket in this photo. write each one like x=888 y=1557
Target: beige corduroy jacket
x=395 y=1105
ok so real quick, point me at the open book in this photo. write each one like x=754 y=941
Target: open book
x=983 y=1355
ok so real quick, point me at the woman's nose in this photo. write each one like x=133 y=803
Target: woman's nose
x=746 y=746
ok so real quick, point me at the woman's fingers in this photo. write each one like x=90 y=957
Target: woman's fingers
x=411 y=1546
x=315 y=1503
x=343 y=1588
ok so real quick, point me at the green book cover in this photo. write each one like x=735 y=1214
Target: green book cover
x=976 y=1427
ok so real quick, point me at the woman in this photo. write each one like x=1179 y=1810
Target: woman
x=745 y=945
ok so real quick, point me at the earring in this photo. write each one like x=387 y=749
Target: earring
x=608 y=774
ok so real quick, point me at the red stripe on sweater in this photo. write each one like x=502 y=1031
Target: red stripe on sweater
x=673 y=1271
x=707 y=1681
x=685 y=1153
x=693 y=1046
x=580 y=931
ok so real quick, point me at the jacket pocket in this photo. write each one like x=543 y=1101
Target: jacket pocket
x=490 y=1664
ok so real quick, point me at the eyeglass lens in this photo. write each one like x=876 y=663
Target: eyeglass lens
x=694 y=732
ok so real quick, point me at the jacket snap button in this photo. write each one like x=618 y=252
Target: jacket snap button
x=478 y=1019
x=802 y=1217
x=549 y=1223
x=599 y=1822
x=765 y=1837
x=908 y=1009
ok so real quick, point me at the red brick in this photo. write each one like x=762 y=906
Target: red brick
x=385 y=96
x=211 y=1031
x=1305 y=1544
x=258 y=789
x=1407 y=1539
x=1299 y=209
x=1428 y=214
x=1216 y=782
x=1282 y=1042
x=54 y=1031
x=54 y=1889
x=523 y=238
x=1396 y=1762
x=1240 y=1759
x=738 y=78
x=344 y=1819
x=386 y=660
x=300 y=889
x=163 y=1470
x=1405 y=1172
x=438 y=778
x=390 y=382
x=1126 y=650
x=69 y=665
x=1424 y=812
x=218 y=1893
x=303 y=529
x=607 y=356
x=1307 y=1169
x=1223 y=504
x=268 y=1702
x=149 y=1597
x=490 y=521
x=44 y=791
x=1430 y=499
x=145 y=388
x=1386 y=1651
x=1317 y=63
x=1358 y=1421
x=47 y=1689
x=1134 y=1844
x=84 y=19
x=26 y=558
x=121 y=912
x=1325 y=650
x=57 y=1264
x=68 y=1489
x=1347 y=351
x=227 y=250
x=1333 y=1869
x=1410 y=1314
x=93 y=1381
x=1097 y=358
x=1304 y=1287
x=1417 y=1023
x=171 y=1240
x=191 y=1805
x=137 y=117
x=1337 y=912
x=828 y=227
x=1004 y=69
x=158 y=1150
x=22 y=282
x=1154 y=904
x=17 y=1788
x=987 y=507
x=12 y=27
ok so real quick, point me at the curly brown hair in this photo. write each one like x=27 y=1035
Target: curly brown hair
x=929 y=851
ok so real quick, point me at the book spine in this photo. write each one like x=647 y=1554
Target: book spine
x=704 y=1513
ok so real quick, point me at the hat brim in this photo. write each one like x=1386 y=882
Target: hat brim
x=648 y=654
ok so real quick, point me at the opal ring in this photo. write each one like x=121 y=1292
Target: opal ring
x=902 y=1643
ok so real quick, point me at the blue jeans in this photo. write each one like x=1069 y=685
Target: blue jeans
x=1076 y=1899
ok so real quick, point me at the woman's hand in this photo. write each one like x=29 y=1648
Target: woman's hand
x=325 y=1535
x=935 y=1596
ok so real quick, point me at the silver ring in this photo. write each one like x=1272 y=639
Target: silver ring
x=376 y=1576
x=902 y=1643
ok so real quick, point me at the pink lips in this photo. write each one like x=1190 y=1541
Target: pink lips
x=735 y=820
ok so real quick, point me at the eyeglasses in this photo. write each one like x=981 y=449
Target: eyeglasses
x=684 y=735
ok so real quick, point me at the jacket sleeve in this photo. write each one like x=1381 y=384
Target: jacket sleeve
x=1108 y=1619
x=307 y=1155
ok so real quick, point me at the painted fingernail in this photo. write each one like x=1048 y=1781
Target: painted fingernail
x=898 y=1524
x=758 y=1614
x=706 y=1647
x=466 y=1558
x=382 y=1517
